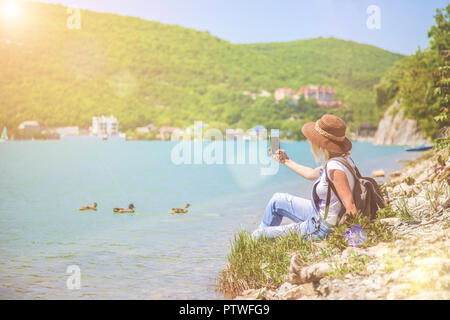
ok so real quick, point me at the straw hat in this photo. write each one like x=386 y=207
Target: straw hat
x=329 y=133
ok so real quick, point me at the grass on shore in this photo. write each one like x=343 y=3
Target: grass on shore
x=263 y=262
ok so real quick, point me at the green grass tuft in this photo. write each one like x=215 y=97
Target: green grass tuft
x=403 y=210
x=386 y=212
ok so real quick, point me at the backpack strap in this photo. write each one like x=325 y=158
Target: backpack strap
x=327 y=205
x=354 y=171
x=330 y=186
x=356 y=174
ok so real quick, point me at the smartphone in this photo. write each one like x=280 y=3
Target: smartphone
x=275 y=144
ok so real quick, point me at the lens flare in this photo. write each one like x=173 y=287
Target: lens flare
x=10 y=10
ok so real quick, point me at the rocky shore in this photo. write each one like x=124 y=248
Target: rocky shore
x=414 y=265
x=395 y=129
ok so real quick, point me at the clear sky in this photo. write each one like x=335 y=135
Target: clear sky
x=403 y=23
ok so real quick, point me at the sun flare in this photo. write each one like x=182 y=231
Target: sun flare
x=10 y=10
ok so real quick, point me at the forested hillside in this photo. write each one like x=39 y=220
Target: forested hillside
x=351 y=68
x=422 y=80
x=144 y=71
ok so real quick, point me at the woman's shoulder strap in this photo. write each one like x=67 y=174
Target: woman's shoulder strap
x=345 y=163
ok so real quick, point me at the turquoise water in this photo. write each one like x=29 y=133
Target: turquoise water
x=147 y=255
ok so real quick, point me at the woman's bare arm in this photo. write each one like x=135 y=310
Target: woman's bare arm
x=342 y=187
x=303 y=171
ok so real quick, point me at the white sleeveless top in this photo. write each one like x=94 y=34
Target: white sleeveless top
x=322 y=188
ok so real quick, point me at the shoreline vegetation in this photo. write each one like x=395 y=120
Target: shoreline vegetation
x=405 y=257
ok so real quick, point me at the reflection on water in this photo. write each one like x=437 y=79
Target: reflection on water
x=148 y=255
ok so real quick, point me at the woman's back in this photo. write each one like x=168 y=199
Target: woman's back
x=322 y=189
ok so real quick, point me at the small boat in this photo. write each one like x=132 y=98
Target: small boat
x=4 y=136
x=422 y=147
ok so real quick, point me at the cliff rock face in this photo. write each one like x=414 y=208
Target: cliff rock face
x=395 y=129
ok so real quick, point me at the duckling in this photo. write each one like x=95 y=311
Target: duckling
x=130 y=209
x=179 y=210
x=85 y=208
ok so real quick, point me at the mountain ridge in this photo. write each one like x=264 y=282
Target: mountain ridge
x=144 y=71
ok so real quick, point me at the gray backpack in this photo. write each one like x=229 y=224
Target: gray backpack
x=366 y=193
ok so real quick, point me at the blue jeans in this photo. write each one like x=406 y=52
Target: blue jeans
x=299 y=210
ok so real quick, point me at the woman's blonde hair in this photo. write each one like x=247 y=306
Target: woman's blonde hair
x=320 y=153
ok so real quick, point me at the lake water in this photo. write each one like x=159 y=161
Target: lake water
x=147 y=255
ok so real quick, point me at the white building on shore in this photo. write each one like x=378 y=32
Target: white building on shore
x=68 y=131
x=28 y=126
x=105 y=126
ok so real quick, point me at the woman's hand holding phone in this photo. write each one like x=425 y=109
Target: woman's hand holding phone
x=279 y=155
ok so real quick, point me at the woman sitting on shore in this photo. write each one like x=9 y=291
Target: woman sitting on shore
x=327 y=139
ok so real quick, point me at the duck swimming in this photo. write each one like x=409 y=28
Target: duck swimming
x=179 y=210
x=130 y=209
x=85 y=208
